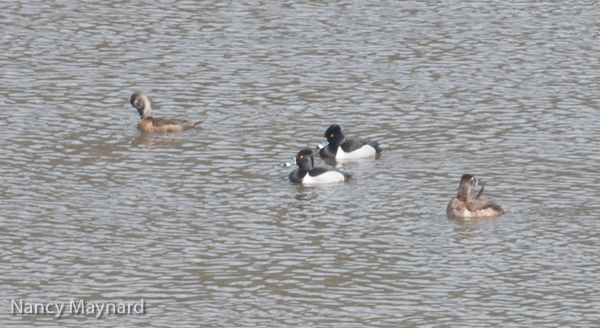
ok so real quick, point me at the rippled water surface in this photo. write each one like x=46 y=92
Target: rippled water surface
x=204 y=226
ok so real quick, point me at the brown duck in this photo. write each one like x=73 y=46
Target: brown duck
x=465 y=207
x=147 y=123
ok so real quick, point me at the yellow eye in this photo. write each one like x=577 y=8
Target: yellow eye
x=301 y=156
x=331 y=136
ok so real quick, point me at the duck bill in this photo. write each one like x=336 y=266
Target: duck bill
x=323 y=144
x=290 y=163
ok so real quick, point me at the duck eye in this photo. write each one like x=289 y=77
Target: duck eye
x=331 y=136
x=301 y=156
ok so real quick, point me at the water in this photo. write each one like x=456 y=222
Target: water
x=204 y=226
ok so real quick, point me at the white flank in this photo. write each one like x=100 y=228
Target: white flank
x=362 y=152
x=478 y=214
x=467 y=214
x=327 y=177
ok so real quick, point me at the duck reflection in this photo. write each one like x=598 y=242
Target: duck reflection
x=469 y=225
x=144 y=139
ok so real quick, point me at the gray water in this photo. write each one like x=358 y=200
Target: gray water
x=204 y=226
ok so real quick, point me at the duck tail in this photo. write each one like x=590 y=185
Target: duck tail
x=376 y=146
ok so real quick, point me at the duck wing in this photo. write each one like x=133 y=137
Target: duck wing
x=480 y=203
x=158 y=122
x=354 y=143
x=320 y=170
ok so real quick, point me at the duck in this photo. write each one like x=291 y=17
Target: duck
x=308 y=174
x=464 y=207
x=339 y=146
x=147 y=123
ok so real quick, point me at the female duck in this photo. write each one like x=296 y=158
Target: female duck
x=339 y=146
x=463 y=206
x=147 y=123
x=308 y=174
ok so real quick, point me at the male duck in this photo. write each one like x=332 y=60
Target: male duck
x=339 y=146
x=310 y=175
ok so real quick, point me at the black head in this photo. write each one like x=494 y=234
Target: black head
x=334 y=135
x=468 y=182
x=304 y=160
x=141 y=102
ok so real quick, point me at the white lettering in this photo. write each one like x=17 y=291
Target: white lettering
x=38 y=306
x=59 y=308
x=90 y=308
x=121 y=308
x=100 y=308
x=114 y=308
x=48 y=308
x=77 y=308
x=141 y=304
x=14 y=305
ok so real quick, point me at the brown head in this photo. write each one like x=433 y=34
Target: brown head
x=141 y=102
x=468 y=182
